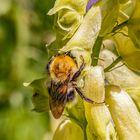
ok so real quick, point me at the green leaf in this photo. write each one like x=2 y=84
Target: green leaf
x=127 y=50
x=127 y=8
x=134 y=25
x=109 y=10
x=40 y=96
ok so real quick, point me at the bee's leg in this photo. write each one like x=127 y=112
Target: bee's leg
x=76 y=75
x=86 y=98
x=68 y=53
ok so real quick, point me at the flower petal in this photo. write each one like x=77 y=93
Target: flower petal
x=124 y=113
x=98 y=116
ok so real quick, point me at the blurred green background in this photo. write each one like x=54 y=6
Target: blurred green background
x=24 y=30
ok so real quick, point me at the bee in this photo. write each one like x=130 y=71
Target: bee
x=64 y=72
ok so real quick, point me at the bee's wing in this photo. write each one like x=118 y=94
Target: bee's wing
x=56 y=108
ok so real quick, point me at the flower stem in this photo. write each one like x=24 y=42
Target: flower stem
x=96 y=50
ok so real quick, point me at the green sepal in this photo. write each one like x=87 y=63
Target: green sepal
x=40 y=98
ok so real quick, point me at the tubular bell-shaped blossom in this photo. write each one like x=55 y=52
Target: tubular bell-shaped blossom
x=68 y=15
x=98 y=117
x=124 y=113
x=83 y=40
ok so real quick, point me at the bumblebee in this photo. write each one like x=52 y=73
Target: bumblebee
x=64 y=72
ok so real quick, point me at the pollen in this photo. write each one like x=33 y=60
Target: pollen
x=62 y=67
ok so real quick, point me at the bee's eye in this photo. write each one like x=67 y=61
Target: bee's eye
x=70 y=95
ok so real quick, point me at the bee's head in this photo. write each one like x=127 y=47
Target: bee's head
x=61 y=67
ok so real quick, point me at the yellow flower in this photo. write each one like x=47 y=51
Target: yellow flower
x=69 y=15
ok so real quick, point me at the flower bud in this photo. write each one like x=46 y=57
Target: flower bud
x=68 y=130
